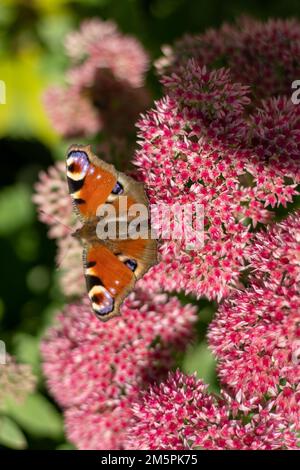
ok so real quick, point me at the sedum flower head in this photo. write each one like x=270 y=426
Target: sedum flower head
x=95 y=425
x=263 y=55
x=100 y=45
x=200 y=145
x=255 y=335
x=93 y=369
x=180 y=413
x=104 y=89
x=274 y=255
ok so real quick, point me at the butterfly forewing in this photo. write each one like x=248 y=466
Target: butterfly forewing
x=90 y=180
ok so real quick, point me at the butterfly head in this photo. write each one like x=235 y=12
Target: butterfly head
x=86 y=233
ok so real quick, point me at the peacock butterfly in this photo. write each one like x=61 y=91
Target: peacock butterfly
x=111 y=265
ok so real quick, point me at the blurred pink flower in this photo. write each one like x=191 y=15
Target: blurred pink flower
x=91 y=32
x=99 y=45
x=53 y=202
x=70 y=266
x=255 y=335
x=199 y=144
x=104 y=90
x=55 y=208
x=97 y=367
x=95 y=425
x=181 y=414
x=71 y=113
x=263 y=55
x=16 y=381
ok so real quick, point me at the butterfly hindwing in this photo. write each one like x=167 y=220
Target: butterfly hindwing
x=139 y=254
x=108 y=280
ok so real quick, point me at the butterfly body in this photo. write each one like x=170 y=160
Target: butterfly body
x=86 y=233
x=111 y=265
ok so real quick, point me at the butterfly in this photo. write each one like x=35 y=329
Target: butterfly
x=111 y=265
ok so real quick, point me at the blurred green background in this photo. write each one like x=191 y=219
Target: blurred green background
x=31 y=58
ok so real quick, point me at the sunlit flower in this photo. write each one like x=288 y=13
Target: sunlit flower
x=274 y=255
x=255 y=335
x=199 y=145
x=180 y=413
x=275 y=136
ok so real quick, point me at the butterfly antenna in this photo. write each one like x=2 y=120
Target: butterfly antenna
x=62 y=257
x=54 y=219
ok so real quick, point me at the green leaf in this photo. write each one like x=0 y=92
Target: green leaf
x=199 y=359
x=37 y=416
x=66 y=446
x=11 y=435
x=16 y=208
x=26 y=349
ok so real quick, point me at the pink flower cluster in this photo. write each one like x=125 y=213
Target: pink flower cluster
x=201 y=145
x=181 y=414
x=104 y=89
x=262 y=55
x=94 y=370
x=256 y=339
x=256 y=335
x=16 y=381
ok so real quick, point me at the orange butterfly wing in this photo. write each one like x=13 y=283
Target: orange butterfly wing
x=90 y=180
x=111 y=266
x=139 y=254
x=108 y=280
x=112 y=272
